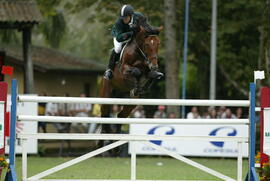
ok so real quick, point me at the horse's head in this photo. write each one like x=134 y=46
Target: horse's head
x=149 y=45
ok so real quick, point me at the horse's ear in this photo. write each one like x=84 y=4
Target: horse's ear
x=142 y=30
x=156 y=30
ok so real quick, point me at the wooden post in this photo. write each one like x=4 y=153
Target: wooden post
x=28 y=63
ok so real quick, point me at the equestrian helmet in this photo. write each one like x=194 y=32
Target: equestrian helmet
x=126 y=10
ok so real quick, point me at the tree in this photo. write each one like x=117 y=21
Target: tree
x=238 y=45
x=54 y=26
x=264 y=42
x=172 y=64
x=199 y=48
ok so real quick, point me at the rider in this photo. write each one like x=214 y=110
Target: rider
x=122 y=31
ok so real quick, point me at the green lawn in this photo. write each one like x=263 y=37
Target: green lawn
x=119 y=168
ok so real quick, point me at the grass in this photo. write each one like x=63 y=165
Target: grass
x=161 y=168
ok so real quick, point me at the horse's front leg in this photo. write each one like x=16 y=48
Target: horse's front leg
x=132 y=71
x=136 y=74
x=149 y=84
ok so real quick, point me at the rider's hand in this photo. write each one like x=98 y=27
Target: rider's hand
x=128 y=35
x=133 y=27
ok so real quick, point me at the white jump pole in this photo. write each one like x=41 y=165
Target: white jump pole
x=122 y=101
x=64 y=119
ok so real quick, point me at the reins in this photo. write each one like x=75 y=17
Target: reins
x=142 y=53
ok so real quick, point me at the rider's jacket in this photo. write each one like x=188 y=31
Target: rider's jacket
x=122 y=31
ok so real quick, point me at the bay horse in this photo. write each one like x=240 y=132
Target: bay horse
x=135 y=72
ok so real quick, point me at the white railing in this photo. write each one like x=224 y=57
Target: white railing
x=167 y=102
x=64 y=119
x=125 y=138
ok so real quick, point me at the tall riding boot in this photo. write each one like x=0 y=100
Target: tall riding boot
x=109 y=72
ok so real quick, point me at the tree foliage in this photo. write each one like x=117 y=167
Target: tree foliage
x=83 y=28
x=54 y=26
x=243 y=39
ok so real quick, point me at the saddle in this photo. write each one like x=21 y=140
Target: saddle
x=119 y=62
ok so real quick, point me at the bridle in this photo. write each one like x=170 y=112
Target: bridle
x=143 y=54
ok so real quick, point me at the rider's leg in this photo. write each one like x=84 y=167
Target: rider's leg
x=113 y=58
x=108 y=72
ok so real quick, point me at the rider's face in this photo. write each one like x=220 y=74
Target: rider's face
x=126 y=19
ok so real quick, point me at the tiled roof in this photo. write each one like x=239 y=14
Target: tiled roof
x=47 y=59
x=19 y=12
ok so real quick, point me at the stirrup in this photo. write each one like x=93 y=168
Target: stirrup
x=108 y=74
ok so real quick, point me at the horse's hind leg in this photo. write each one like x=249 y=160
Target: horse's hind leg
x=105 y=92
x=125 y=112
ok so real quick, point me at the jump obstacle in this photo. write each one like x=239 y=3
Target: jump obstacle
x=121 y=139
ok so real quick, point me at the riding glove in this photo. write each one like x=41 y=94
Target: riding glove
x=124 y=36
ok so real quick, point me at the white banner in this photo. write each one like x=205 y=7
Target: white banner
x=2 y=124
x=266 y=131
x=25 y=108
x=191 y=148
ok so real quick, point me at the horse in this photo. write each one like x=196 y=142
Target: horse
x=135 y=72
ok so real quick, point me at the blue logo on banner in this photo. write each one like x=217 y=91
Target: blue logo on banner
x=152 y=131
x=232 y=132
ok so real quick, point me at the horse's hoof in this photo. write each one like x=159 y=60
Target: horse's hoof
x=108 y=74
x=155 y=75
x=159 y=75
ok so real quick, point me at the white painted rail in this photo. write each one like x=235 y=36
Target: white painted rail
x=257 y=109
x=121 y=101
x=34 y=179
x=64 y=119
x=126 y=137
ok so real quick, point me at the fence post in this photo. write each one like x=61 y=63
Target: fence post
x=252 y=131
x=11 y=175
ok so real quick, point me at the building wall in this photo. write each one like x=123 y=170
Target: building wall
x=56 y=83
x=59 y=84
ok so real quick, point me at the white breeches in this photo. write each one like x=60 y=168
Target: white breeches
x=117 y=45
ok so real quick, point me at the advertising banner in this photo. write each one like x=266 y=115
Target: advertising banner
x=266 y=131
x=2 y=124
x=195 y=147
